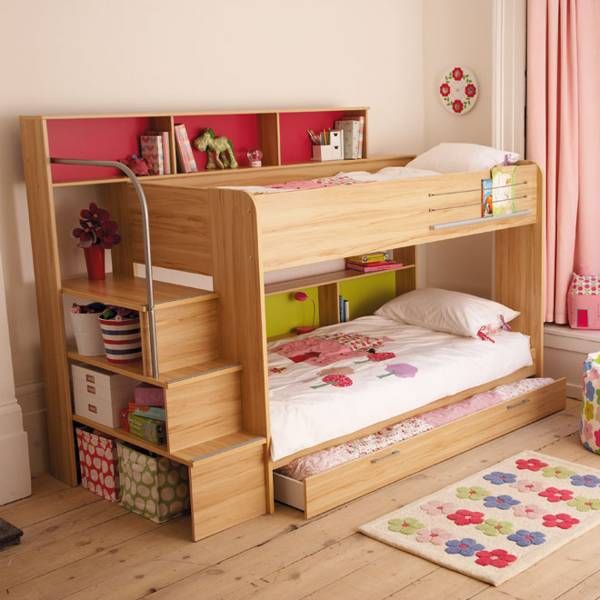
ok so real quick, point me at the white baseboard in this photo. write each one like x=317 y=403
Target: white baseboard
x=31 y=399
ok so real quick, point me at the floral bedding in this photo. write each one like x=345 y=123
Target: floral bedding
x=341 y=378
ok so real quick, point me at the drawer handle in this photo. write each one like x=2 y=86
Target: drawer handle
x=380 y=458
x=481 y=220
x=516 y=404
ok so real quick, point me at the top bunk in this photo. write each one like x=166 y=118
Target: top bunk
x=327 y=220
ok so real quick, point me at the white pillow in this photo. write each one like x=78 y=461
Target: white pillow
x=456 y=158
x=452 y=312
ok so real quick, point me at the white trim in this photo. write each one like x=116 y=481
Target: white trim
x=508 y=77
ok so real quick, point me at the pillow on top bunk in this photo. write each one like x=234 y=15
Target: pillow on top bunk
x=456 y=158
x=451 y=312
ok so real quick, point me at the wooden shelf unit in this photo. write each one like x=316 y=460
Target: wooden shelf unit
x=279 y=133
x=291 y=285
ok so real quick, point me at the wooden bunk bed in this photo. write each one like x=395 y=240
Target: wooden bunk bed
x=213 y=346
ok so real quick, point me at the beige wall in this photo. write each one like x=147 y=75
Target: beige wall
x=70 y=57
x=458 y=33
x=66 y=56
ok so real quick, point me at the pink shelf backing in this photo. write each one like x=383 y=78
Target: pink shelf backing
x=242 y=130
x=295 y=144
x=101 y=139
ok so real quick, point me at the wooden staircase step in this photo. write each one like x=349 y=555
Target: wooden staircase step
x=167 y=379
x=231 y=443
x=130 y=292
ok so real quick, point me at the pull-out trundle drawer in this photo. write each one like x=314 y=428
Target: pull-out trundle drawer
x=323 y=491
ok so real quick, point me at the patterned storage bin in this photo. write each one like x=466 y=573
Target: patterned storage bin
x=98 y=464
x=590 y=418
x=155 y=488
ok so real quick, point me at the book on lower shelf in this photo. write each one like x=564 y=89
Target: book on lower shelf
x=185 y=156
x=344 y=309
x=166 y=150
x=372 y=262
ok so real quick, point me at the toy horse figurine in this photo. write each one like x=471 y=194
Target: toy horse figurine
x=219 y=150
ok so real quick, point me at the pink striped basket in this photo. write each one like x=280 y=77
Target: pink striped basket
x=122 y=339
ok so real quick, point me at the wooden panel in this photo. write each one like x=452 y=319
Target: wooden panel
x=179 y=229
x=46 y=267
x=291 y=285
x=130 y=292
x=516 y=376
x=187 y=334
x=227 y=489
x=406 y=279
x=520 y=265
x=332 y=488
x=309 y=226
x=329 y=305
x=115 y=200
x=269 y=136
x=238 y=280
x=200 y=411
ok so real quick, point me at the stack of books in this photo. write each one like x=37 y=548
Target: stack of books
x=353 y=129
x=370 y=263
x=155 y=150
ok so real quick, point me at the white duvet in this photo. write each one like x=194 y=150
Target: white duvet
x=353 y=177
x=342 y=378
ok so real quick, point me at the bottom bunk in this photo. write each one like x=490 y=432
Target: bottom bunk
x=321 y=481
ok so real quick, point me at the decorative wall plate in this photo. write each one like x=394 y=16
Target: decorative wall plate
x=459 y=90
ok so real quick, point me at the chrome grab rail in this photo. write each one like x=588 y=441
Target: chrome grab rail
x=480 y=220
x=146 y=241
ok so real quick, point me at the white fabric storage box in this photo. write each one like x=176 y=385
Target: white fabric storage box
x=100 y=395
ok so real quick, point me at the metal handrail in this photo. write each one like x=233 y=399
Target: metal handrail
x=146 y=239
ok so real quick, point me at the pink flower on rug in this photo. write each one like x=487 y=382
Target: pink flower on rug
x=528 y=511
x=530 y=464
x=560 y=520
x=436 y=507
x=524 y=485
x=466 y=517
x=495 y=558
x=553 y=494
x=437 y=536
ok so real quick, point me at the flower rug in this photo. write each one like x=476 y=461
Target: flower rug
x=500 y=521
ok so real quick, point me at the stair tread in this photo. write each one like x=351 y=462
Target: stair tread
x=130 y=292
x=166 y=379
x=220 y=445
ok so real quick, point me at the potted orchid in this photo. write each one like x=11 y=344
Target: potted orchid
x=95 y=234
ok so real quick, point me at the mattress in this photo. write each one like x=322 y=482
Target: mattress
x=345 y=377
x=343 y=178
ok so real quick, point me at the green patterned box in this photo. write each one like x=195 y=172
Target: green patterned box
x=155 y=488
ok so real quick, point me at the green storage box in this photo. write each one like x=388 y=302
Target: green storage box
x=153 y=487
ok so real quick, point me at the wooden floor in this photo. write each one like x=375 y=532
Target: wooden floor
x=77 y=546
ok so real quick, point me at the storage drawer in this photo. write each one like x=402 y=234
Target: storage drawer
x=100 y=395
x=329 y=489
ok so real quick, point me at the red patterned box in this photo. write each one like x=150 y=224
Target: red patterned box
x=98 y=464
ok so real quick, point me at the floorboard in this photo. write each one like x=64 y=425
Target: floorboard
x=77 y=546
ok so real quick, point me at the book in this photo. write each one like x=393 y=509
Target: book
x=487 y=204
x=368 y=258
x=166 y=149
x=351 y=135
x=346 y=310
x=373 y=267
x=185 y=156
x=356 y=128
x=151 y=147
x=503 y=191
